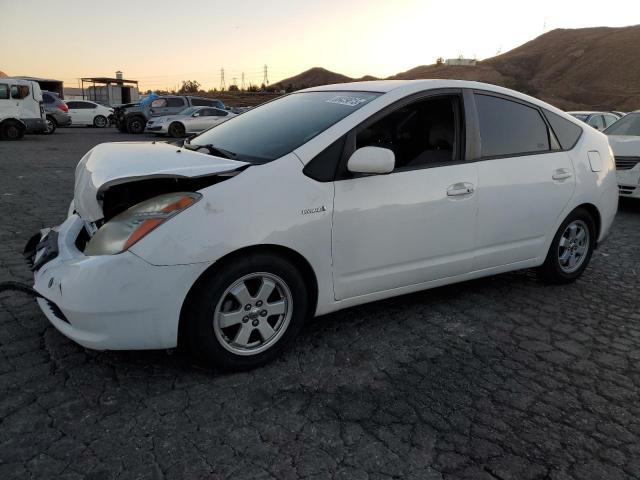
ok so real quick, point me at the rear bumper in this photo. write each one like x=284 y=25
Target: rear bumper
x=112 y=302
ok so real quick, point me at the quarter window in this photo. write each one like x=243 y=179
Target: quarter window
x=4 y=91
x=566 y=131
x=159 y=103
x=596 y=122
x=510 y=128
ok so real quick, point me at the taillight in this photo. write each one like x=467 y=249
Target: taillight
x=63 y=107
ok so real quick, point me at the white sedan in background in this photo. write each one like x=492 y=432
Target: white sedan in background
x=624 y=138
x=320 y=200
x=84 y=112
x=189 y=121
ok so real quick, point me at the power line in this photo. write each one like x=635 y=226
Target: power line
x=242 y=87
x=222 y=85
x=265 y=79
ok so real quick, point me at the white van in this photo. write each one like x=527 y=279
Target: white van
x=21 y=108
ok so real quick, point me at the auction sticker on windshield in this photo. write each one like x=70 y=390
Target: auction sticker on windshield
x=348 y=100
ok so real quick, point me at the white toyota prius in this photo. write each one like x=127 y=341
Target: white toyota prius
x=322 y=199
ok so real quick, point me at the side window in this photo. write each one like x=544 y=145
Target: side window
x=219 y=113
x=86 y=105
x=175 y=102
x=159 y=103
x=4 y=91
x=510 y=128
x=73 y=105
x=420 y=134
x=201 y=102
x=566 y=131
x=19 y=91
x=596 y=122
x=609 y=120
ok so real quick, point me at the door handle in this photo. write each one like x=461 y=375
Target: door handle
x=561 y=174
x=461 y=188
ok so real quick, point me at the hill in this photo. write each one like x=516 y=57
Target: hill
x=585 y=68
x=316 y=76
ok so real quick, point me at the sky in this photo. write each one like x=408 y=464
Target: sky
x=162 y=42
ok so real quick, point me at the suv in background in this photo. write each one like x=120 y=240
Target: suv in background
x=133 y=118
x=56 y=110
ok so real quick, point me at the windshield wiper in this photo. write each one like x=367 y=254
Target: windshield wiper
x=212 y=149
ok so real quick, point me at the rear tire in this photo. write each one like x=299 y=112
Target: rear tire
x=245 y=313
x=100 y=121
x=176 y=130
x=571 y=248
x=11 y=130
x=136 y=125
x=50 y=125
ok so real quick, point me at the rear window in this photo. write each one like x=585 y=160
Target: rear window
x=510 y=128
x=279 y=127
x=4 y=91
x=627 y=125
x=566 y=131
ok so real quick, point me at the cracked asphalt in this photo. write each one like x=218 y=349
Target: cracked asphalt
x=502 y=378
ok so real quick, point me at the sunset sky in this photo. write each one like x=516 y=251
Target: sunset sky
x=161 y=43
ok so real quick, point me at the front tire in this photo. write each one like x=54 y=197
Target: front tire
x=571 y=248
x=176 y=130
x=100 y=121
x=136 y=125
x=245 y=313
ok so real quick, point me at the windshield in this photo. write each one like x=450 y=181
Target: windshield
x=627 y=125
x=279 y=127
x=188 y=111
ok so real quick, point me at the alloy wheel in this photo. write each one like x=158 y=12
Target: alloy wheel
x=573 y=246
x=253 y=313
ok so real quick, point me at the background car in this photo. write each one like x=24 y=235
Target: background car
x=624 y=138
x=85 y=112
x=133 y=118
x=57 y=112
x=190 y=120
x=598 y=120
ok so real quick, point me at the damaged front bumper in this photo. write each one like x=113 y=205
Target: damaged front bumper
x=107 y=302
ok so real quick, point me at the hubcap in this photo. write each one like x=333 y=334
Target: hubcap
x=49 y=125
x=101 y=121
x=253 y=313
x=573 y=247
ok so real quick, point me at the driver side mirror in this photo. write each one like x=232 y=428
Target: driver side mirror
x=372 y=160
x=197 y=114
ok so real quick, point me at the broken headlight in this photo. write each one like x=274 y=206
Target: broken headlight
x=124 y=230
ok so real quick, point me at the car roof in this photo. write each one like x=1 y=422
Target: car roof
x=587 y=112
x=408 y=87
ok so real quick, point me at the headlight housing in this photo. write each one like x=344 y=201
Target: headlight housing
x=127 y=228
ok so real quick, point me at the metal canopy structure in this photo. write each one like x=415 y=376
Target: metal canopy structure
x=108 y=83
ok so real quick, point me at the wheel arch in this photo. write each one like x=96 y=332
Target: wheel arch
x=294 y=257
x=21 y=124
x=595 y=213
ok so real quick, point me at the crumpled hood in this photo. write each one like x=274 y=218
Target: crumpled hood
x=625 y=145
x=115 y=163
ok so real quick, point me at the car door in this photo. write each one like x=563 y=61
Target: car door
x=525 y=181
x=8 y=106
x=75 y=111
x=200 y=120
x=417 y=223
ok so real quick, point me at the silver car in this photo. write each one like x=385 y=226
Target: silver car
x=190 y=120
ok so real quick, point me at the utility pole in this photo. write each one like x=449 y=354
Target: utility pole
x=235 y=81
x=265 y=78
x=222 y=85
x=242 y=87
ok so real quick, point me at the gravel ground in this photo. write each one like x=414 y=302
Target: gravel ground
x=499 y=378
